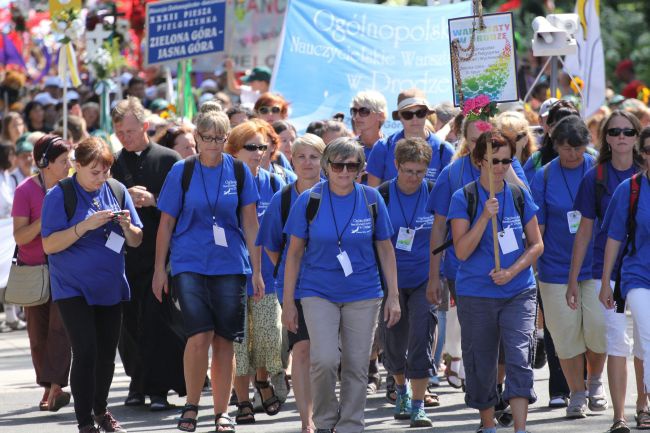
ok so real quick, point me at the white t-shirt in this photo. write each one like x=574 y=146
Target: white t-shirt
x=248 y=97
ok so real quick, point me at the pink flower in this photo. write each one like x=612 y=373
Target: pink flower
x=483 y=126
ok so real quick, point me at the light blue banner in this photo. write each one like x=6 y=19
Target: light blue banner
x=332 y=49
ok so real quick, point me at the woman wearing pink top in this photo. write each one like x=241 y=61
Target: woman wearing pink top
x=48 y=340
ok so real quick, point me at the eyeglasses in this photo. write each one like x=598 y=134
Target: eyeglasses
x=338 y=167
x=615 y=132
x=267 y=110
x=420 y=114
x=416 y=173
x=504 y=161
x=209 y=138
x=646 y=150
x=253 y=147
x=362 y=112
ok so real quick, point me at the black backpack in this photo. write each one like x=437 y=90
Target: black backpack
x=384 y=190
x=630 y=241
x=70 y=195
x=470 y=191
x=188 y=171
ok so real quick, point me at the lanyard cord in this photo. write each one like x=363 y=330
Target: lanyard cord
x=409 y=223
x=566 y=183
x=213 y=209
x=336 y=227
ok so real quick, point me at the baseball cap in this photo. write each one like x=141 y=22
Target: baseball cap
x=208 y=85
x=159 y=104
x=546 y=106
x=23 y=145
x=53 y=82
x=45 y=98
x=411 y=98
x=259 y=73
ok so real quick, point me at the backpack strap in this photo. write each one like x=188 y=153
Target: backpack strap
x=519 y=201
x=430 y=186
x=630 y=242
x=600 y=187
x=470 y=191
x=240 y=178
x=186 y=179
x=116 y=188
x=69 y=197
x=280 y=171
x=315 y=195
x=537 y=159
x=384 y=191
x=275 y=183
x=285 y=207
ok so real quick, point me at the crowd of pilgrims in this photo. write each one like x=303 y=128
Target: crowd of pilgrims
x=233 y=252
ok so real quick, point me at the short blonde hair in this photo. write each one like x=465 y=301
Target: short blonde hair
x=373 y=100
x=308 y=140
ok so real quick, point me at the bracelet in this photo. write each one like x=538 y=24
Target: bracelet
x=75 y=230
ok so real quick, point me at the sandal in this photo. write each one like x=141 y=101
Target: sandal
x=185 y=420
x=43 y=405
x=619 y=426
x=642 y=419
x=224 y=424
x=454 y=380
x=431 y=400
x=391 y=394
x=245 y=413
x=56 y=402
x=272 y=404
x=597 y=403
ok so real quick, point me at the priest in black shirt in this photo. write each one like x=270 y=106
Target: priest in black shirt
x=152 y=340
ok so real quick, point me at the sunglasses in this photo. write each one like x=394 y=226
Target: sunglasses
x=253 y=147
x=362 y=112
x=420 y=114
x=504 y=161
x=209 y=138
x=338 y=167
x=267 y=110
x=646 y=150
x=615 y=132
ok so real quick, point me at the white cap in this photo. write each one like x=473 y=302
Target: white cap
x=45 y=98
x=546 y=106
x=53 y=82
x=71 y=95
x=205 y=98
x=125 y=78
x=209 y=84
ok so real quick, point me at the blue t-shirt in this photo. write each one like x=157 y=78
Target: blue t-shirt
x=265 y=188
x=530 y=169
x=555 y=199
x=473 y=277
x=212 y=193
x=283 y=162
x=634 y=270
x=270 y=236
x=586 y=203
x=381 y=162
x=349 y=217
x=87 y=268
x=409 y=211
x=453 y=177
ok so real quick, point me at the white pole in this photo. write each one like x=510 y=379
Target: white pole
x=65 y=106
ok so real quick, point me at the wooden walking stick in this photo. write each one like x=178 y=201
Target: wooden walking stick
x=495 y=240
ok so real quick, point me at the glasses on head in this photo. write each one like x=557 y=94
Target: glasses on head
x=267 y=110
x=420 y=114
x=338 y=167
x=504 y=161
x=615 y=132
x=254 y=147
x=362 y=112
x=215 y=139
x=416 y=173
x=646 y=150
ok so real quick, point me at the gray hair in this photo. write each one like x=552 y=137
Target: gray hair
x=129 y=105
x=445 y=111
x=309 y=140
x=211 y=105
x=341 y=149
x=373 y=100
x=216 y=120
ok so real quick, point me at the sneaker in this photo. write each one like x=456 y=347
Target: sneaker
x=434 y=381
x=577 y=408
x=419 y=418
x=159 y=403
x=109 y=424
x=17 y=325
x=505 y=419
x=558 y=401
x=403 y=406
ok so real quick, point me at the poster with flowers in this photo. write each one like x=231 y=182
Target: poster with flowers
x=486 y=58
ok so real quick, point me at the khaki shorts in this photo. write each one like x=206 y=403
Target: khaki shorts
x=574 y=331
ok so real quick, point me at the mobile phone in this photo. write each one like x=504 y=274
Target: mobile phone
x=118 y=213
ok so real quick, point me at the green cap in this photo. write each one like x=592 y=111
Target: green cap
x=259 y=73
x=23 y=145
x=158 y=104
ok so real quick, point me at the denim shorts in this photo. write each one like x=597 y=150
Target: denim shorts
x=212 y=303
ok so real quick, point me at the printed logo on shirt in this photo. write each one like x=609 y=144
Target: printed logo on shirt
x=423 y=222
x=512 y=221
x=261 y=208
x=361 y=226
x=229 y=187
x=431 y=173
